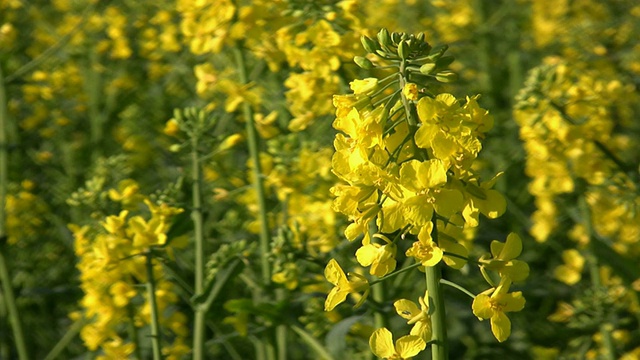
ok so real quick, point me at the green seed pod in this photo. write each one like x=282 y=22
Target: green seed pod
x=363 y=62
x=403 y=50
x=369 y=44
x=427 y=68
x=446 y=76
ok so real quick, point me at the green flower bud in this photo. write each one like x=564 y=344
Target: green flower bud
x=368 y=44
x=403 y=50
x=446 y=76
x=427 y=68
x=384 y=38
x=363 y=62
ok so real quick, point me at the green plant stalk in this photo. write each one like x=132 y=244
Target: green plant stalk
x=132 y=331
x=9 y=298
x=596 y=280
x=92 y=86
x=66 y=339
x=258 y=184
x=439 y=346
x=153 y=308
x=12 y=309
x=196 y=216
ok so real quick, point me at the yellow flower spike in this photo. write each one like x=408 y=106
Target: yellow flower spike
x=343 y=286
x=406 y=347
x=425 y=250
x=494 y=308
x=418 y=317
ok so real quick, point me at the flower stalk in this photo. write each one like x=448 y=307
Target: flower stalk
x=153 y=308
x=196 y=217
x=433 y=274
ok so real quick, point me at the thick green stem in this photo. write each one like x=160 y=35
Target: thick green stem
x=258 y=185
x=153 y=308
x=439 y=344
x=9 y=298
x=596 y=282
x=196 y=216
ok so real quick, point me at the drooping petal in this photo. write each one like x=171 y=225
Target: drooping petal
x=500 y=326
x=482 y=306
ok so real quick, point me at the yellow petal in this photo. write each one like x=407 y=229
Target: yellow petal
x=409 y=346
x=406 y=308
x=381 y=343
x=500 y=326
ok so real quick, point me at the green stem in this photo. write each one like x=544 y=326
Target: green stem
x=196 y=216
x=436 y=306
x=405 y=102
x=12 y=309
x=258 y=184
x=9 y=298
x=73 y=331
x=133 y=332
x=596 y=281
x=458 y=287
x=253 y=140
x=394 y=274
x=153 y=308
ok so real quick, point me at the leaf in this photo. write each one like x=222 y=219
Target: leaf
x=336 y=337
x=313 y=343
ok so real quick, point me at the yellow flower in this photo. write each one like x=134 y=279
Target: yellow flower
x=571 y=271
x=382 y=258
x=425 y=250
x=495 y=306
x=342 y=286
x=381 y=343
x=364 y=86
x=419 y=317
x=503 y=259
x=410 y=91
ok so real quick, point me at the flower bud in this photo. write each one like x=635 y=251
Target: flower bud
x=363 y=62
x=446 y=76
x=403 y=50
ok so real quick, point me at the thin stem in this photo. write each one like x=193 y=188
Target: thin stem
x=258 y=184
x=153 y=308
x=436 y=306
x=394 y=274
x=9 y=297
x=252 y=139
x=405 y=102
x=458 y=287
x=66 y=339
x=196 y=216
x=596 y=281
x=12 y=309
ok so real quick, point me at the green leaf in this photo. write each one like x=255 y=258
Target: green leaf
x=336 y=337
x=313 y=343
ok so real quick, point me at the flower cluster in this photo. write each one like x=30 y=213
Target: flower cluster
x=112 y=261
x=405 y=157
